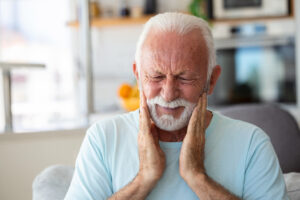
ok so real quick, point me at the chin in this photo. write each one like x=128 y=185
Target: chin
x=169 y=123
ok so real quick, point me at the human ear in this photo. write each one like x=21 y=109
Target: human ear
x=135 y=71
x=136 y=74
x=213 y=78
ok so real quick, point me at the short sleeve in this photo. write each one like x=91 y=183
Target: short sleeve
x=91 y=179
x=263 y=176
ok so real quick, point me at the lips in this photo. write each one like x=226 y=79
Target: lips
x=166 y=110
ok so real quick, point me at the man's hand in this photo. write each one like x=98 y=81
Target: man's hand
x=152 y=158
x=191 y=160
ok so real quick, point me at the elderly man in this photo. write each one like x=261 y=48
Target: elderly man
x=173 y=147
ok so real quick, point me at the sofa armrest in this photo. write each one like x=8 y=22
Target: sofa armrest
x=292 y=181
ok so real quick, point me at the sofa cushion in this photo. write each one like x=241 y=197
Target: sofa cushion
x=292 y=181
x=52 y=183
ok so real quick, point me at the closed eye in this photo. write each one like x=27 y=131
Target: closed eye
x=157 y=78
x=185 y=79
x=182 y=78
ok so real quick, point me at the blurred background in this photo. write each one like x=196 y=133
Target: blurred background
x=66 y=63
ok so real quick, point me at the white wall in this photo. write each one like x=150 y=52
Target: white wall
x=23 y=156
x=297 y=54
x=113 y=50
x=2 y=114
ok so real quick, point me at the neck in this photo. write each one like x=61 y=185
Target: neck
x=178 y=135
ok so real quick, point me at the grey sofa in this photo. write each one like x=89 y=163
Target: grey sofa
x=53 y=182
x=279 y=124
x=284 y=133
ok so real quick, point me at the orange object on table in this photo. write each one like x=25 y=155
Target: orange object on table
x=129 y=96
x=124 y=90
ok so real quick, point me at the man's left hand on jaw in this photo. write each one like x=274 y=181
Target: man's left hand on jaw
x=191 y=160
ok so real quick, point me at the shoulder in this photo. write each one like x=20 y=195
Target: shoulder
x=126 y=119
x=111 y=127
x=239 y=128
x=242 y=136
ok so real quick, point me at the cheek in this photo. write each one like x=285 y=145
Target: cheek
x=151 y=90
x=190 y=93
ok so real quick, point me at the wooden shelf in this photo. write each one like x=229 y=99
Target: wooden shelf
x=117 y=21
x=247 y=20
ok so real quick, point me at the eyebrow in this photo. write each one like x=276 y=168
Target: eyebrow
x=155 y=71
x=159 y=72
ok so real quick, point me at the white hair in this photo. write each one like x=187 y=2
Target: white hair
x=181 y=24
x=168 y=122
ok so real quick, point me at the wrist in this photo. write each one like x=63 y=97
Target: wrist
x=196 y=179
x=145 y=182
x=137 y=189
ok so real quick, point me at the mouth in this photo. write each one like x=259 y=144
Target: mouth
x=167 y=110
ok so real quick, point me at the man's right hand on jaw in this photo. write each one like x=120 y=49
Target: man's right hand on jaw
x=152 y=158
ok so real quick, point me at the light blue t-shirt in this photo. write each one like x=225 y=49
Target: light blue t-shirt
x=238 y=155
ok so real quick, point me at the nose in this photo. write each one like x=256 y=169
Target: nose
x=169 y=90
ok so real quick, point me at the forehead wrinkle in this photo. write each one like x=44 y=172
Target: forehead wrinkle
x=174 y=55
x=175 y=63
x=156 y=58
x=153 y=61
x=183 y=58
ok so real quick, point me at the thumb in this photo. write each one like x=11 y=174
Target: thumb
x=154 y=133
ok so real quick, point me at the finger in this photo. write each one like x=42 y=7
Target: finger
x=142 y=98
x=154 y=134
x=198 y=118
x=145 y=122
x=198 y=110
x=203 y=111
x=145 y=107
x=194 y=118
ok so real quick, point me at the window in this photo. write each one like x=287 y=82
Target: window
x=35 y=31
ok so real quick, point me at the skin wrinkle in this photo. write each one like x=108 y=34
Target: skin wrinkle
x=179 y=55
x=198 y=52
x=171 y=54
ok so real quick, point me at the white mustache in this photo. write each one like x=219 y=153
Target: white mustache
x=168 y=122
x=173 y=104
